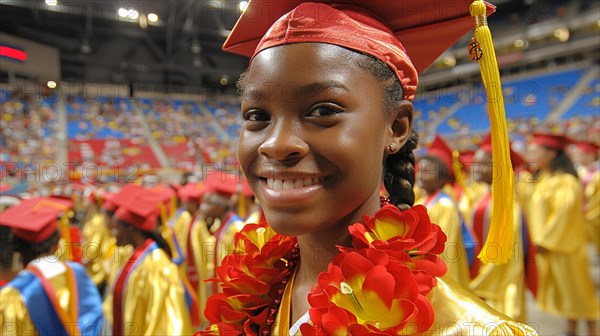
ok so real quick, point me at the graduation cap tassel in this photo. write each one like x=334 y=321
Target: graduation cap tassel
x=499 y=244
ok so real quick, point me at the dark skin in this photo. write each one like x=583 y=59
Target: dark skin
x=482 y=167
x=309 y=114
x=126 y=234
x=428 y=177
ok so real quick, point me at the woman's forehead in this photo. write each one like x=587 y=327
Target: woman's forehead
x=311 y=66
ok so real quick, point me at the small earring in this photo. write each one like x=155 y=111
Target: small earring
x=392 y=147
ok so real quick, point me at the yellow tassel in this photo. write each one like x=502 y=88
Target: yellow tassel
x=457 y=168
x=165 y=231
x=498 y=246
x=241 y=205
x=173 y=205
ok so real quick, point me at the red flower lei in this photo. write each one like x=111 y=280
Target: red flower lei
x=378 y=286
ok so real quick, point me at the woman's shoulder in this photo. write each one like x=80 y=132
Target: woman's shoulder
x=458 y=312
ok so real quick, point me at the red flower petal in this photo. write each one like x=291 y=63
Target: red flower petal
x=354 y=265
x=380 y=281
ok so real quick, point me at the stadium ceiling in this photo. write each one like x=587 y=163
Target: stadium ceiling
x=116 y=42
x=97 y=44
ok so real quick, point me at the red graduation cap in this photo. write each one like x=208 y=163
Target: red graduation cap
x=515 y=158
x=407 y=35
x=141 y=210
x=587 y=146
x=466 y=158
x=440 y=149
x=128 y=191
x=34 y=220
x=191 y=191
x=554 y=141
x=107 y=201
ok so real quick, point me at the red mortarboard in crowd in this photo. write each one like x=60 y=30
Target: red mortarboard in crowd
x=588 y=146
x=515 y=158
x=34 y=220
x=407 y=35
x=191 y=191
x=441 y=150
x=141 y=210
x=554 y=141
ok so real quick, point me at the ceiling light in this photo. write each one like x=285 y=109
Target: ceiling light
x=52 y=3
x=152 y=17
x=51 y=84
x=130 y=14
x=519 y=43
x=449 y=61
x=243 y=5
x=562 y=34
x=195 y=48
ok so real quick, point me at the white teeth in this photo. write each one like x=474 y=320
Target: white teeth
x=291 y=184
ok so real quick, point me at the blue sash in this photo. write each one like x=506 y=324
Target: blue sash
x=469 y=242
x=43 y=315
x=170 y=223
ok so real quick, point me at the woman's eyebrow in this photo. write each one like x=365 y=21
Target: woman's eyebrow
x=254 y=92
x=317 y=87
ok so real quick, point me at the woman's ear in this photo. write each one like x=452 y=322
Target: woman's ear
x=401 y=126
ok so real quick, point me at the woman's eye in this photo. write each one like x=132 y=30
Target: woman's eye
x=257 y=116
x=324 y=111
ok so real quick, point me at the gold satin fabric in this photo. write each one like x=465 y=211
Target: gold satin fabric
x=445 y=214
x=457 y=313
x=472 y=194
x=97 y=246
x=203 y=248
x=14 y=316
x=153 y=299
x=553 y=208
x=503 y=286
x=591 y=209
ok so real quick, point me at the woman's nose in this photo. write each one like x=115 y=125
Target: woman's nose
x=284 y=142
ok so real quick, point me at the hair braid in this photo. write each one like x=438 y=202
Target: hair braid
x=399 y=174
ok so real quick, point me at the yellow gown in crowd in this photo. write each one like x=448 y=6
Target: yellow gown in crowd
x=180 y=224
x=153 y=299
x=472 y=194
x=503 y=286
x=200 y=261
x=591 y=206
x=76 y=301
x=97 y=246
x=552 y=205
x=443 y=211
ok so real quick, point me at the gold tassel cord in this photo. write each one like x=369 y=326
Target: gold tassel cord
x=499 y=243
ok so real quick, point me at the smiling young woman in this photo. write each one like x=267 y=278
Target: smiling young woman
x=327 y=117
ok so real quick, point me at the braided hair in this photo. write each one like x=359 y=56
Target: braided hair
x=399 y=168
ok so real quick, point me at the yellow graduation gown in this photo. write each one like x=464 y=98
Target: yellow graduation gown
x=457 y=313
x=180 y=226
x=591 y=206
x=15 y=317
x=201 y=244
x=472 y=194
x=154 y=299
x=97 y=247
x=552 y=205
x=503 y=286
x=444 y=213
